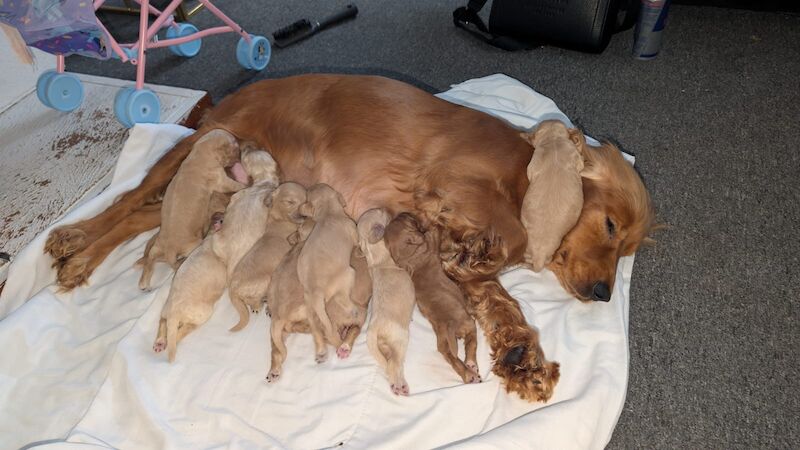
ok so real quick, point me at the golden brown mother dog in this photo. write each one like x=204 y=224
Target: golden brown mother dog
x=382 y=143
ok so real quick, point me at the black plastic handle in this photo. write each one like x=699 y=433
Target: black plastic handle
x=348 y=12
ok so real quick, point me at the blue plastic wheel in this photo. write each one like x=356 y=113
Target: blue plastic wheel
x=142 y=106
x=41 y=84
x=120 y=101
x=187 y=49
x=255 y=55
x=64 y=92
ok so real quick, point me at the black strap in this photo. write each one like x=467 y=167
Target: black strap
x=466 y=17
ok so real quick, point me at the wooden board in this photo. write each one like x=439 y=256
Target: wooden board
x=51 y=161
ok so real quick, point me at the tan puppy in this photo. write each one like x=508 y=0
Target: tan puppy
x=554 y=199
x=285 y=301
x=324 y=263
x=185 y=211
x=392 y=300
x=250 y=280
x=438 y=297
x=196 y=287
x=201 y=279
x=348 y=321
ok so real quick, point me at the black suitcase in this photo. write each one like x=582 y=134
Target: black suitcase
x=585 y=25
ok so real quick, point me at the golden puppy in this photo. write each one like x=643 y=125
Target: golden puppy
x=324 y=263
x=285 y=301
x=184 y=212
x=250 y=280
x=554 y=199
x=392 y=300
x=438 y=297
x=201 y=279
x=349 y=320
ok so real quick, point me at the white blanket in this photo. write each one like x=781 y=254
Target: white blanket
x=78 y=371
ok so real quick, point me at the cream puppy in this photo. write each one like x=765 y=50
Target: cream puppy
x=554 y=199
x=201 y=279
x=250 y=280
x=392 y=300
x=323 y=265
x=185 y=211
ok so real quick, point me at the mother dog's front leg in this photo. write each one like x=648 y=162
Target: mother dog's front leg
x=67 y=240
x=517 y=354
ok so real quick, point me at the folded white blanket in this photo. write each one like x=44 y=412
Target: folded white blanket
x=78 y=370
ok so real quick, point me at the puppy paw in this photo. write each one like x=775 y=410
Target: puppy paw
x=254 y=309
x=273 y=376
x=343 y=351
x=75 y=272
x=160 y=345
x=400 y=388
x=65 y=241
x=472 y=375
x=321 y=357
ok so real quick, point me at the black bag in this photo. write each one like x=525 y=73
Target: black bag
x=585 y=25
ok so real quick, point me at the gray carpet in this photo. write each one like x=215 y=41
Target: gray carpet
x=713 y=122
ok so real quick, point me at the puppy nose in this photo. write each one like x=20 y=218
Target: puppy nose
x=601 y=292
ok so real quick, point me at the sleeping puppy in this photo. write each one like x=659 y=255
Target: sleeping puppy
x=250 y=280
x=554 y=199
x=438 y=297
x=324 y=263
x=201 y=279
x=185 y=211
x=392 y=300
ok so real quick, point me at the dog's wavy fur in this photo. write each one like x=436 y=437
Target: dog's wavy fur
x=383 y=143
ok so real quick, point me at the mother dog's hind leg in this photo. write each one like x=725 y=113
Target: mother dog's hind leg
x=67 y=240
x=76 y=270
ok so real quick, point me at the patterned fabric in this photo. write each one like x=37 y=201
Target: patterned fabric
x=57 y=26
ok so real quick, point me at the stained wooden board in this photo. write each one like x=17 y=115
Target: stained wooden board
x=51 y=161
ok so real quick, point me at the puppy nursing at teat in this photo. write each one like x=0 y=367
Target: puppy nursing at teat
x=392 y=300
x=201 y=279
x=554 y=199
x=248 y=285
x=439 y=299
x=323 y=265
x=186 y=211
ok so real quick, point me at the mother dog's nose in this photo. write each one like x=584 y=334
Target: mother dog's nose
x=601 y=292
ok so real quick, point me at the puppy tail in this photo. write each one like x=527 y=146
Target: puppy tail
x=244 y=313
x=172 y=338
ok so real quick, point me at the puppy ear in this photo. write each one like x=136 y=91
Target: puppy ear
x=376 y=232
x=269 y=199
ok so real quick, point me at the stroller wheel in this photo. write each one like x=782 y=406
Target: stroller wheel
x=63 y=91
x=187 y=49
x=143 y=106
x=120 y=100
x=255 y=55
x=41 y=84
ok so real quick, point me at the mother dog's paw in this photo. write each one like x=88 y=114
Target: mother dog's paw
x=74 y=272
x=526 y=372
x=65 y=241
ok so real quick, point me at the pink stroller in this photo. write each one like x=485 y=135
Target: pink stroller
x=65 y=27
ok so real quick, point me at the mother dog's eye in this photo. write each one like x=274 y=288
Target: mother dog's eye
x=611 y=227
